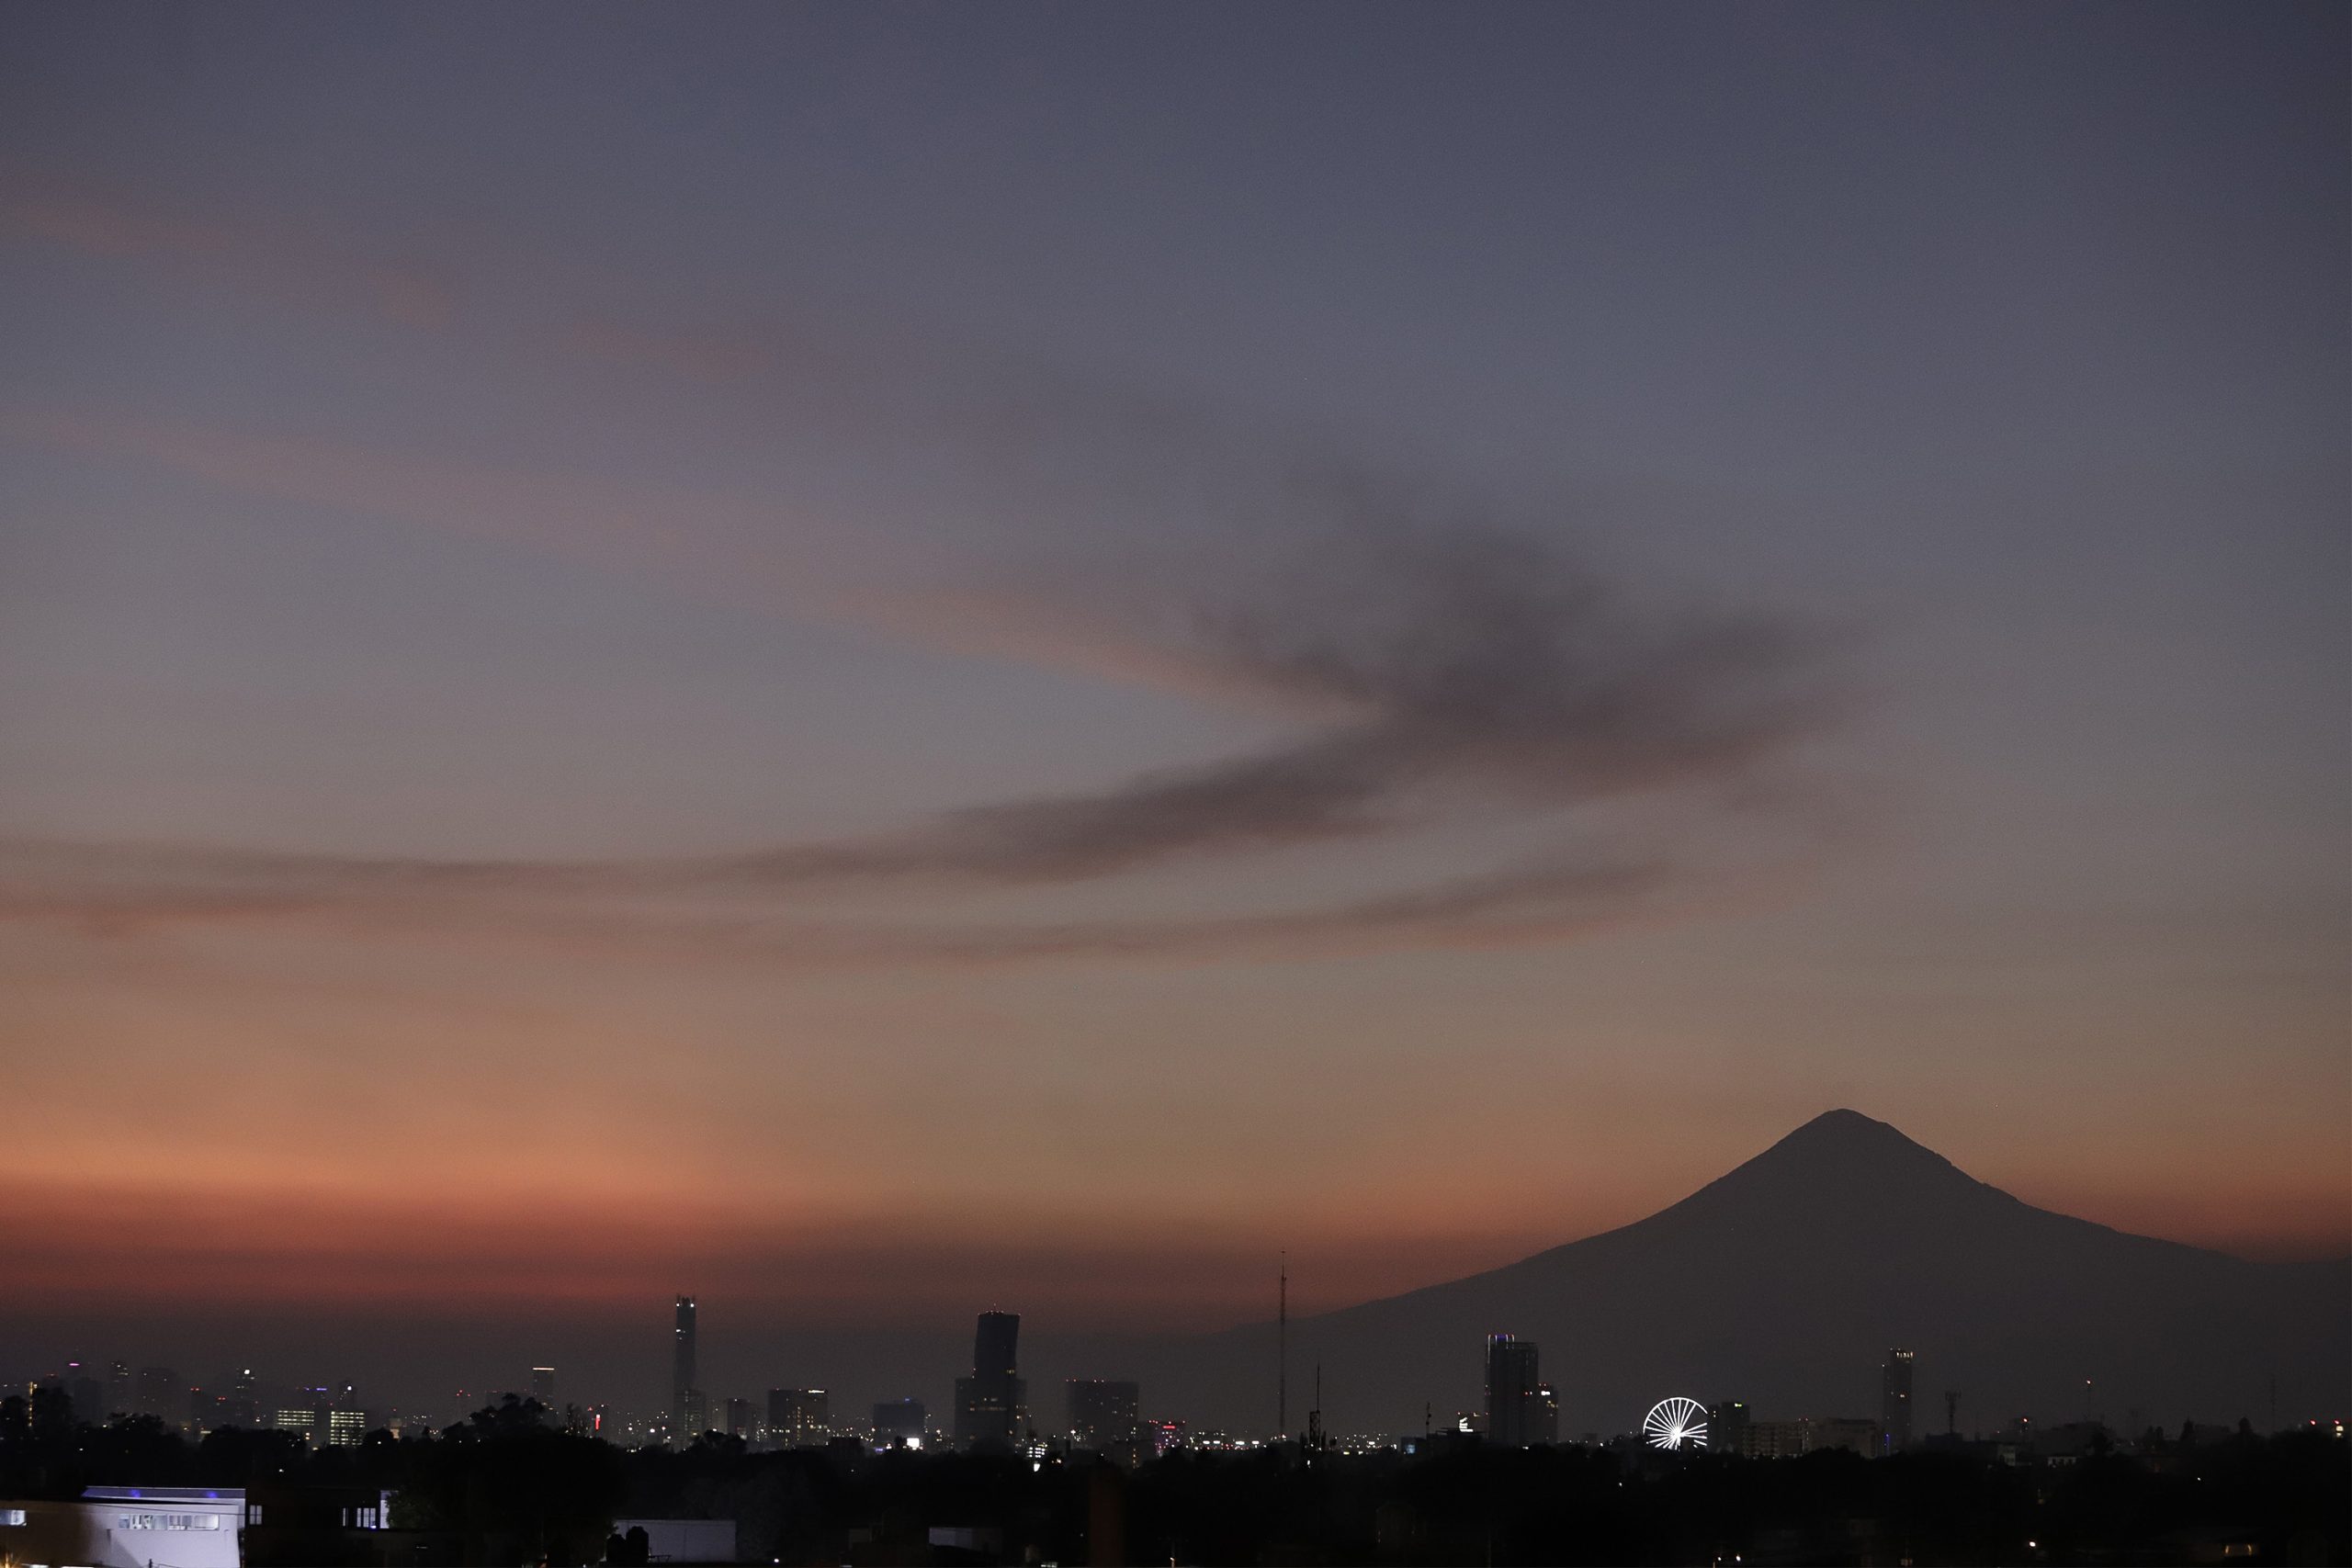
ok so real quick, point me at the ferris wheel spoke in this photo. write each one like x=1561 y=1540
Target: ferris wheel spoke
x=1675 y=1421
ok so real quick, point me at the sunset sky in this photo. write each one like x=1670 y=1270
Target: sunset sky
x=860 y=658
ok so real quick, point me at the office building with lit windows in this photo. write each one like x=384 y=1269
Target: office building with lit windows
x=799 y=1417
x=1516 y=1398
x=1895 y=1402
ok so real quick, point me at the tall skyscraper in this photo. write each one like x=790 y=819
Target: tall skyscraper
x=688 y=1418
x=1515 y=1398
x=543 y=1385
x=989 y=1403
x=1895 y=1402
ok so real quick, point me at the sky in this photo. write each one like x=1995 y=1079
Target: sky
x=859 y=658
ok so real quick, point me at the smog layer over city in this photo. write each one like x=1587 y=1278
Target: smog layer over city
x=1038 y=783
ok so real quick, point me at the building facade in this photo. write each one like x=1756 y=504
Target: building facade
x=799 y=1417
x=1106 y=1417
x=127 y=1527
x=990 y=1413
x=1895 y=1402
x=689 y=1417
x=1516 y=1397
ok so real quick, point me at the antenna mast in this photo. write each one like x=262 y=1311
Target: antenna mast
x=1316 y=1442
x=1281 y=1346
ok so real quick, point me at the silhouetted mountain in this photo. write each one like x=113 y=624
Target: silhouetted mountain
x=1784 y=1282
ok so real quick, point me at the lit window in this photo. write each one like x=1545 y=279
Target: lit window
x=167 y=1521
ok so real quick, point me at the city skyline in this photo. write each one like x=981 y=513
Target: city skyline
x=847 y=663
x=1103 y=1415
x=1844 y=1215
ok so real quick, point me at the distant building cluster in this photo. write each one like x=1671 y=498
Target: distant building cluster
x=992 y=1413
x=1734 y=1429
x=1098 y=1417
x=1101 y=1426
x=323 y=1414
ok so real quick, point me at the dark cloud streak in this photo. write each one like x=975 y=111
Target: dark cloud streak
x=1475 y=672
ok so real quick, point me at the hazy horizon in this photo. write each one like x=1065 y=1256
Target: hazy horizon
x=867 y=658
x=613 y=1350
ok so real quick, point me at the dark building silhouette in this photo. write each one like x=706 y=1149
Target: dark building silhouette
x=1727 y=1427
x=899 y=1424
x=88 y=1396
x=989 y=1412
x=743 y=1419
x=1106 y=1419
x=159 y=1395
x=241 y=1406
x=1515 y=1398
x=543 y=1385
x=1895 y=1402
x=688 y=1417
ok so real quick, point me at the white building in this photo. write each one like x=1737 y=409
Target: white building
x=126 y=1526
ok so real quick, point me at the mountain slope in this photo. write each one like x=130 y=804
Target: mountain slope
x=1784 y=1283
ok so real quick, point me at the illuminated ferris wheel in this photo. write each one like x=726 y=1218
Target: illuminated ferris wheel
x=1676 y=1422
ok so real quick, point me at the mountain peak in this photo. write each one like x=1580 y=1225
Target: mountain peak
x=1850 y=1143
x=1841 y=1158
x=1848 y=1127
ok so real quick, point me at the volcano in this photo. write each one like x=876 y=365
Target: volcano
x=1784 y=1283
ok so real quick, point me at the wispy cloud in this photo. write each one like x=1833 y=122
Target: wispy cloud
x=1469 y=663
x=1461 y=670
x=718 y=544
x=1432 y=664
x=269 y=255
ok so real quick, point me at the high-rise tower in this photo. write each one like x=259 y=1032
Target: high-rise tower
x=1515 y=1399
x=688 y=1417
x=1895 y=1402
x=987 y=1404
